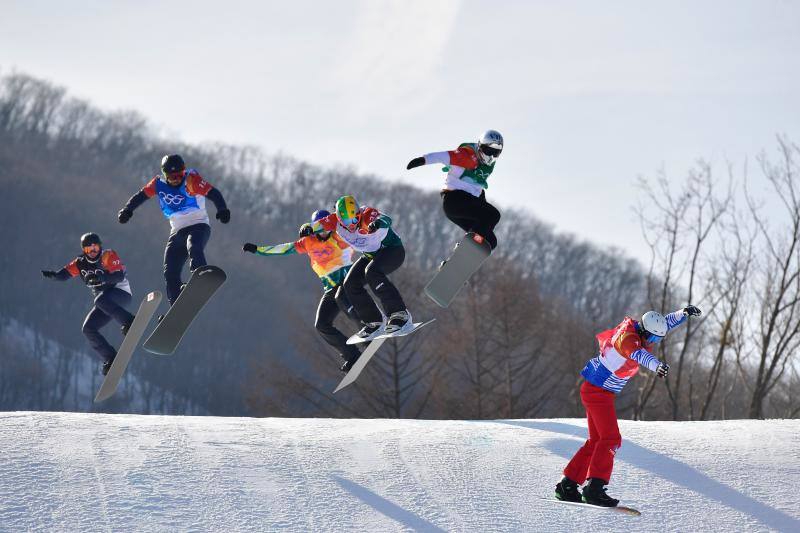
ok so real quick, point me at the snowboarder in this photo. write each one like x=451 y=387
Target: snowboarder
x=182 y=195
x=369 y=231
x=331 y=259
x=622 y=350
x=464 y=197
x=103 y=272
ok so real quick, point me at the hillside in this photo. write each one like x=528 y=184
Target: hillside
x=81 y=472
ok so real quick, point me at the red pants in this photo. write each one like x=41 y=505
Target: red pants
x=595 y=459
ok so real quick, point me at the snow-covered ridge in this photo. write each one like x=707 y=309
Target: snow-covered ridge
x=94 y=472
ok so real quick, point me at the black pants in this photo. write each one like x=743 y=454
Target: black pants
x=332 y=302
x=107 y=305
x=472 y=213
x=189 y=242
x=373 y=271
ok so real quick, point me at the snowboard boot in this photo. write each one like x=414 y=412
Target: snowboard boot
x=399 y=321
x=594 y=493
x=125 y=327
x=348 y=363
x=370 y=331
x=567 y=491
x=107 y=366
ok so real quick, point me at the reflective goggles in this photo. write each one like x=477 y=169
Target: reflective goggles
x=652 y=338
x=350 y=223
x=91 y=248
x=488 y=150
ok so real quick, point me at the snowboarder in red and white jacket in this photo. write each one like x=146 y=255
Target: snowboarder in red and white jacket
x=103 y=272
x=468 y=169
x=622 y=350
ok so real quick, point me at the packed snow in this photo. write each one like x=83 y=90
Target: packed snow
x=95 y=472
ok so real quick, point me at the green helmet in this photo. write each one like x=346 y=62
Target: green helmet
x=347 y=211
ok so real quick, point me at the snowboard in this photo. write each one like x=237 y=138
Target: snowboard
x=146 y=311
x=202 y=285
x=467 y=257
x=417 y=325
x=619 y=508
x=363 y=359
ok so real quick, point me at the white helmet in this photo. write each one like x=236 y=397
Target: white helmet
x=489 y=146
x=654 y=325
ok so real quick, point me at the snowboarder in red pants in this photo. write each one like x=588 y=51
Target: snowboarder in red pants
x=622 y=350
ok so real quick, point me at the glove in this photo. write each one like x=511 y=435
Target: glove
x=373 y=226
x=691 y=310
x=306 y=230
x=662 y=370
x=249 y=247
x=95 y=280
x=224 y=215
x=124 y=215
x=49 y=274
x=416 y=162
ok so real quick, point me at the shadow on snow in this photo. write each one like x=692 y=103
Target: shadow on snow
x=385 y=507
x=671 y=470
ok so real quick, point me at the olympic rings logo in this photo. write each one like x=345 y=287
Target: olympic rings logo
x=85 y=273
x=172 y=199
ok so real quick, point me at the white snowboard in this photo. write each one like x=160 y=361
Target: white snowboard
x=146 y=311
x=366 y=355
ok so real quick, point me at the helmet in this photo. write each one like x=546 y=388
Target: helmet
x=319 y=214
x=489 y=146
x=171 y=164
x=347 y=211
x=87 y=239
x=654 y=326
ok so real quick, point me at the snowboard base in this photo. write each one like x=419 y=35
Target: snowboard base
x=202 y=285
x=146 y=311
x=466 y=259
x=363 y=359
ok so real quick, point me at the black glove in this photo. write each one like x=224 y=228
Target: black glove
x=95 y=280
x=124 y=215
x=416 y=162
x=249 y=247
x=373 y=226
x=49 y=274
x=306 y=230
x=662 y=370
x=691 y=310
x=224 y=215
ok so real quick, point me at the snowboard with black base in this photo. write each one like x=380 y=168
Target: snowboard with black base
x=133 y=335
x=467 y=258
x=202 y=285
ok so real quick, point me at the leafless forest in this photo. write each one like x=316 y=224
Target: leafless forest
x=511 y=346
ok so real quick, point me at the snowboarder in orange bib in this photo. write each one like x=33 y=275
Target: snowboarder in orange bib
x=622 y=350
x=331 y=259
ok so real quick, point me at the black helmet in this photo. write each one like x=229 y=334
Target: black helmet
x=87 y=239
x=172 y=163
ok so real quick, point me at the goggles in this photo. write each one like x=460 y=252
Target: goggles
x=91 y=248
x=350 y=223
x=652 y=338
x=173 y=176
x=491 y=152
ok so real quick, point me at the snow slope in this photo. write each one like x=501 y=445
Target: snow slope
x=94 y=472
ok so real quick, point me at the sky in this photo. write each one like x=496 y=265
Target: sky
x=588 y=95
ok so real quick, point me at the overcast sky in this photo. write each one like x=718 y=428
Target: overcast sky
x=589 y=95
